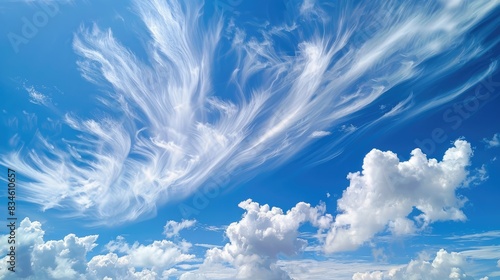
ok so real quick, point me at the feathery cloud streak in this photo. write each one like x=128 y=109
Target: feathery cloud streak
x=174 y=130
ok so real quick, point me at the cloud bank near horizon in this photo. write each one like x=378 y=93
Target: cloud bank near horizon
x=378 y=202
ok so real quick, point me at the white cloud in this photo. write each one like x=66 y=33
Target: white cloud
x=261 y=235
x=172 y=228
x=307 y=6
x=493 y=142
x=158 y=255
x=110 y=266
x=215 y=228
x=387 y=191
x=192 y=276
x=348 y=128
x=444 y=266
x=209 y=246
x=376 y=275
x=485 y=257
x=255 y=244
x=53 y=259
x=37 y=97
x=172 y=131
x=399 y=108
x=491 y=252
x=476 y=237
x=67 y=258
x=498 y=263
x=308 y=269
x=481 y=175
x=320 y=133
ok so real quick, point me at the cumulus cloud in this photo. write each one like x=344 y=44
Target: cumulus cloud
x=385 y=194
x=255 y=242
x=166 y=129
x=110 y=266
x=262 y=234
x=493 y=142
x=172 y=228
x=54 y=259
x=157 y=255
x=444 y=266
x=67 y=258
x=309 y=269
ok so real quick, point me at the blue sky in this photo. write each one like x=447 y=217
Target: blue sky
x=238 y=139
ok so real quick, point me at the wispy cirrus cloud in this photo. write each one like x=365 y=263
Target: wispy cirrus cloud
x=169 y=129
x=489 y=235
x=36 y=97
x=320 y=133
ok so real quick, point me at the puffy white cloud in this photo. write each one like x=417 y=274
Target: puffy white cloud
x=110 y=266
x=53 y=259
x=172 y=228
x=388 y=190
x=157 y=255
x=444 y=266
x=62 y=259
x=67 y=258
x=262 y=234
x=376 y=275
x=493 y=142
x=309 y=269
